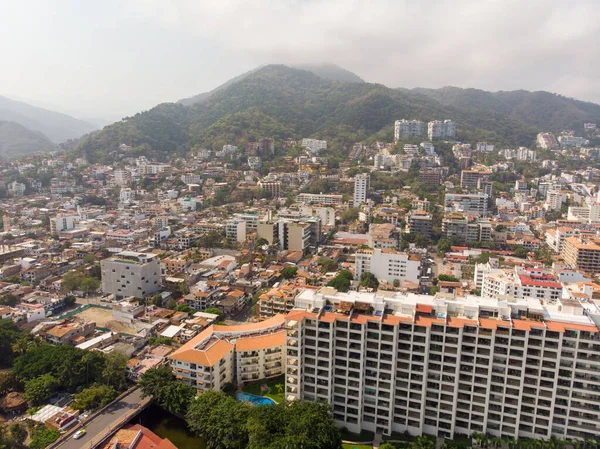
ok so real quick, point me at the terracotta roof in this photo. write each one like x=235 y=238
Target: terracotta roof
x=260 y=342
x=275 y=320
x=562 y=327
x=209 y=356
x=424 y=308
x=460 y=322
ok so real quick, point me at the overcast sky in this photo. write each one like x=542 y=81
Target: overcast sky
x=111 y=58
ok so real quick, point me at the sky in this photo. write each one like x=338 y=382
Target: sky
x=113 y=58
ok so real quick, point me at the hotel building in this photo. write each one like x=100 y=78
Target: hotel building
x=392 y=362
x=238 y=354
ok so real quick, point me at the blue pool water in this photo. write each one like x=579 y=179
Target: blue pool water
x=255 y=400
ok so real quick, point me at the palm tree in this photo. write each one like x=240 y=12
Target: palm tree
x=423 y=442
x=279 y=388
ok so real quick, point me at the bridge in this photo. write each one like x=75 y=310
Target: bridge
x=104 y=422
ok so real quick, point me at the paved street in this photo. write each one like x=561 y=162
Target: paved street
x=111 y=417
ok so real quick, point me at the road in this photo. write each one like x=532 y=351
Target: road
x=108 y=419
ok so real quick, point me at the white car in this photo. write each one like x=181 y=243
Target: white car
x=79 y=434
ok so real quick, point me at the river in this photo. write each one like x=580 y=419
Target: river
x=166 y=425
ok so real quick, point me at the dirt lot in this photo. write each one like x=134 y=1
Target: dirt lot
x=104 y=318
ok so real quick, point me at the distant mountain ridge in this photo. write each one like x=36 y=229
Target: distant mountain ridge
x=16 y=141
x=56 y=126
x=280 y=101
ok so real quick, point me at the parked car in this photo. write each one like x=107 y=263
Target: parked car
x=79 y=434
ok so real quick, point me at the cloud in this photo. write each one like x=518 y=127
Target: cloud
x=492 y=44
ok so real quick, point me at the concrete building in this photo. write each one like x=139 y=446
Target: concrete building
x=520 y=283
x=389 y=265
x=420 y=222
x=582 y=253
x=425 y=364
x=466 y=230
x=235 y=230
x=63 y=222
x=361 y=188
x=273 y=187
x=314 y=146
x=469 y=179
x=408 y=128
x=319 y=198
x=131 y=274
x=441 y=130
x=546 y=141
x=589 y=213
x=462 y=202
x=238 y=354
x=294 y=235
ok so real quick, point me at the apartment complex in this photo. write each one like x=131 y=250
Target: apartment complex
x=361 y=188
x=420 y=222
x=314 y=146
x=319 y=198
x=465 y=229
x=272 y=187
x=470 y=179
x=389 y=265
x=424 y=364
x=408 y=128
x=441 y=130
x=520 y=283
x=462 y=202
x=582 y=253
x=131 y=274
x=222 y=354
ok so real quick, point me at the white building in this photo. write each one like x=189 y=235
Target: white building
x=314 y=146
x=361 y=188
x=131 y=274
x=221 y=354
x=191 y=178
x=63 y=222
x=235 y=230
x=589 y=213
x=424 y=364
x=254 y=162
x=520 y=283
x=441 y=130
x=126 y=195
x=408 y=128
x=319 y=198
x=122 y=177
x=389 y=265
x=460 y=202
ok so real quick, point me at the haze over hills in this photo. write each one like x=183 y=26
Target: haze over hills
x=16 y=140
x=285 y=102
x=56 y=126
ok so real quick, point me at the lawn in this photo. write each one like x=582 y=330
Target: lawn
x=254 y=388
x=364 y=435
x=355 y=446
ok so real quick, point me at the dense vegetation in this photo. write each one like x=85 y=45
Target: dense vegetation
x=282 y=102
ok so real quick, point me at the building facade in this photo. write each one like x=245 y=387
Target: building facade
x=389 y=265
x=361 y=188
x=408 y=128
x=131 y=274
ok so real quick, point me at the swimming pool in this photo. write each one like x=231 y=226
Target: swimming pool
x=255 y=400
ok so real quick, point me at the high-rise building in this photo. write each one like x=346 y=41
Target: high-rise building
x=582 y=253
x=408 y=128
x=463 y=202
x=423 y=364
x=464 y=229
x=273 y=187
x=441 y=130
x=361 y=188
x=235 y=230
x=420 y=222
x=319 y=198
x=469 y=179
x=131 y=274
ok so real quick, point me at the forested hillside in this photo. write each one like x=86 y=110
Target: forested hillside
x=280 y=101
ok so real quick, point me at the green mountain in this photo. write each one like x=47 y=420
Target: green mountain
x=17 y=141
x=56 y=126
x=280 y=101
x=330 y=72
x=541 y=109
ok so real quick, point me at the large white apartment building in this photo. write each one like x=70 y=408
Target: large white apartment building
x=240 y=354
x=392 y=362
x=361 y=188
x=441 y=130
x=314 y=146
x=235 y=230
x=319 y=198
x=389 y=265
x=408 y=128
x=519 y=283
x=131 y=274
x=589 y=213
x=462 y=202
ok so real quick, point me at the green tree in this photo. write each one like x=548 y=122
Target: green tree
x=18 y=434
x=369 y=280
x=447 y=278
x=94 y=397
x=311 y=425
x=41 y=437
x=520 y=251
x=289 y=272
x=8 y=300
x=214 y=311
x=341 y=282
x=9 y=334
x=39 y=389
x=220 y=419
x=327 y=265
x=443 y=246
x=79 y=280
x=114 y=373
x=161 y=383
x=70 y=300
x=387 y=446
